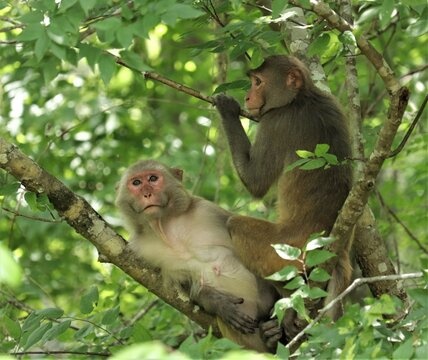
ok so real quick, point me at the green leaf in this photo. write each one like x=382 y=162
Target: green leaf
x=282 y=352
x=404 y=351
x=319 y=242
x=348 y=38
x=107 y=67
x=314 y=164
x=42 y=45
x=10 y=271
x=9 y=189
x=31 y=32
x=419 y=27
x=321 y=149
x=50 y=313
x=37 y=335
x=298 y=304
x=304 y=154
x=281 y=306
x=111 y=316
x=110 y=24
x=32 y=17
x=296 y=164
x=287 y=252
x=316 y=257
x=385 y=14
x=319 y=275
x=239 y=84
x=285 y=274
x=134 y=61
x=277 y=7
x=420 y=296
x=12 y=327
x=56 y=330
x=50 y=68
x=57 y=34
x=331 y=159
x=296 y=283
x=83 y=332
x=91 y=54
x=88 y=300
x=316 y=293
x=59 y=51
x=140 y=333
x=181 y=11
x=87 y=5
x=31 y=323
x=319 y=45
x=64 y=5
x=125 y=36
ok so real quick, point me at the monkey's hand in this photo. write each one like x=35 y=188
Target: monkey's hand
x=271 y=332
x=226 y=307
x=228 y=107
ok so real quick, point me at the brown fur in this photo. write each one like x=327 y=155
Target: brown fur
x=293 y=115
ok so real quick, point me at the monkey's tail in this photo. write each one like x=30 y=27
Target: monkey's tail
x=340 y=280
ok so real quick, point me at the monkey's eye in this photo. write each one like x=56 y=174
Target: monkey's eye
x=257 y=80
x=153 y=178
x=136 y=182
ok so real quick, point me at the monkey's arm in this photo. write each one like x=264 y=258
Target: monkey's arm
x=225 y=306
x=258 y=165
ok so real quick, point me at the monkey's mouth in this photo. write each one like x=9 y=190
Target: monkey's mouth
x=151 y=206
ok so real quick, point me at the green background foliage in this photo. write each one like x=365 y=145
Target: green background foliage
x=66 y=102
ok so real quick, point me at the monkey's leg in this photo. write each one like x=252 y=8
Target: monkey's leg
x=252 y=239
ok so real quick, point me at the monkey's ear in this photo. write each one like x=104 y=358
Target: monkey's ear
x=294 y=79
x=178 y=173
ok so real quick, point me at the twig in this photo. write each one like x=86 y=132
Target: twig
x=175 y=85
x=397 y=219
x=36 y=218
x=64 y=352
x=213 y=15
x=356 y=283
x=142 y=312
x=409 y=132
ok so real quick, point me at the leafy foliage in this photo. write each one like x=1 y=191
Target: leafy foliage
x=67 y=102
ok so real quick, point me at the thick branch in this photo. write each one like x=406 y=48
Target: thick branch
x=88 y=223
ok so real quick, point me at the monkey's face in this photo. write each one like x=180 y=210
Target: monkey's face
x=255 y=98
x=147 y=192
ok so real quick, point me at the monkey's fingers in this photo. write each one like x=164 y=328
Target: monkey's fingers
x=241 y=322
x=271 y=332
x=228 y=107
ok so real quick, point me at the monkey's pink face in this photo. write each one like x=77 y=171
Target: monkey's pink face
x=255 y=100
x=147 y=187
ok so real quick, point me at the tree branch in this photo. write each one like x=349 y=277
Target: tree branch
x=77 y=212
x=356 y=283
x=177 y=86
x=410 y=130
x=385 y=72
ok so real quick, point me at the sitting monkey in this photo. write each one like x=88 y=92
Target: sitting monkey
x=187 y=238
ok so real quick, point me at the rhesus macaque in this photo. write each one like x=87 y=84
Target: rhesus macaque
x=187 y=238
x=293 y=115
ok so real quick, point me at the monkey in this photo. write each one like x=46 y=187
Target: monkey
x=293 y=115
x=187 y=238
